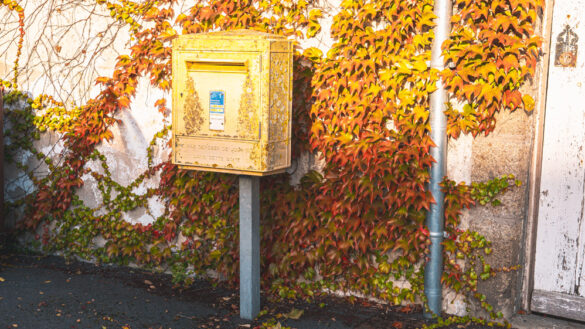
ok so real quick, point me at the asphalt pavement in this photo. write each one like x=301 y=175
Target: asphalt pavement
x=49 y=292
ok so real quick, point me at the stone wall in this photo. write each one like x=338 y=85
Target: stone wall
x=507 y=151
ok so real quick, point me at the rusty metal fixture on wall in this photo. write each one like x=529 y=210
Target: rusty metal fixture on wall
x=566 y=48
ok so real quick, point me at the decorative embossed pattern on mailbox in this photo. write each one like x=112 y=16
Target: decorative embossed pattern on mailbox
x=232 y=102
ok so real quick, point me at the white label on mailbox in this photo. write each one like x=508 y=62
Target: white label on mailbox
x=216 y=110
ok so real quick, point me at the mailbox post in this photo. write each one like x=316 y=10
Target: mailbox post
x=249 y=246
x=232 y=96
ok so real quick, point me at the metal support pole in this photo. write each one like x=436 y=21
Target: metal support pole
x=249 y=247
x=438 y=122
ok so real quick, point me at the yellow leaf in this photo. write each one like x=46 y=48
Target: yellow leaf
x=1 y=279
x=314 y=54
x=420 y=66
x=385 y=75
x=313 y=29
x=346 y=138
x=294 y=314
x=528 y=103
x=384 y=267
x=315 y=14
x=348 y=3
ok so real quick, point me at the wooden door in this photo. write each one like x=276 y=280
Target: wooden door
x=559 y=282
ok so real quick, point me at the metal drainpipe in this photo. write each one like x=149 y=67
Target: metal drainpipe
x=438 y=124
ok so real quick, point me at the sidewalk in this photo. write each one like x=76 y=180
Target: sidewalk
x=47 y=293
x=532 y=321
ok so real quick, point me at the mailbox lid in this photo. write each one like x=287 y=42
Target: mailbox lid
x=237 y=40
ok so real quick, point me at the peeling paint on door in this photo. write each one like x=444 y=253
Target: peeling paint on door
x=558 y=268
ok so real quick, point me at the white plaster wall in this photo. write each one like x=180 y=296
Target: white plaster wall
x=459 y=159
x=68 y=45
x=323 y=39
x=64 y=54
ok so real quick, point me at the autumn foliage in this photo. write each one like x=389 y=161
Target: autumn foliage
x=363 y=108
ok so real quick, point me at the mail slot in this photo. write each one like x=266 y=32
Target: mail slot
x=232 y=95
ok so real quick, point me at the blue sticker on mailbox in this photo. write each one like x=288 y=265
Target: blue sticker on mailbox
x=216 y=110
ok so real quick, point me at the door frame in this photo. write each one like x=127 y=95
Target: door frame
x=535 y=169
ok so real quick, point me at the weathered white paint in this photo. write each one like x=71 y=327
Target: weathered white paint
x=559 y=304
x=459 y=158
x=560 y=234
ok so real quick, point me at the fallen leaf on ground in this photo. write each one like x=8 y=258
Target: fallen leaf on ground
x=181 y=315
x=408 y=309
x=1 y=279
x=294 y=314
x=397 y=325
x=247 y=325
x=148 y=282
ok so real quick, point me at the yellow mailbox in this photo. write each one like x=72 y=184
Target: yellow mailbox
x=232 y=96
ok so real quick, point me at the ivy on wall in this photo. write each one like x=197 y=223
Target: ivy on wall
x=358 y=225
x=492 y=52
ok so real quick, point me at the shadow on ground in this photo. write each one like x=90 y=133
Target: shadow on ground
x=40 y=292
